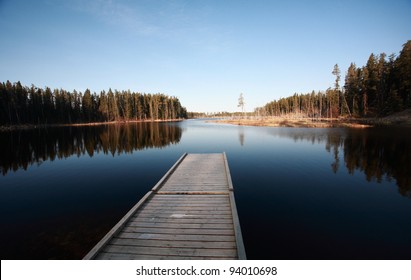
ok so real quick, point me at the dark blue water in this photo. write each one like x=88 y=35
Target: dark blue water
x=302 y=193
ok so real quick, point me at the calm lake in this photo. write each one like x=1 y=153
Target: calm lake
x=301 y=193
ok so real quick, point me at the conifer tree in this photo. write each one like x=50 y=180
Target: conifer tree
x=403 y=69
x=87 y=106
x=241 y=102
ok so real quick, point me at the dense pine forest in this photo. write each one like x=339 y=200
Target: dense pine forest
x=380 y=88
x=31 y=105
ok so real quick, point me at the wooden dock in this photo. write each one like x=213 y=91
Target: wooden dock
x=189 y=214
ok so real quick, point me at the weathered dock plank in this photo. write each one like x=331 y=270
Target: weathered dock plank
x=189 y=214
x=175 y=244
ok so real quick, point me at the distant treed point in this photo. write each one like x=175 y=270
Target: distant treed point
x=32 y=105
x=380 y=88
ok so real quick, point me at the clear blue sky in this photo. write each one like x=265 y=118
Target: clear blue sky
x=204 y=52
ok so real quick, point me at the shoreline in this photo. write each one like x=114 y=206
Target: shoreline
x=402 y=119
x=288 y=122
x=41 y=126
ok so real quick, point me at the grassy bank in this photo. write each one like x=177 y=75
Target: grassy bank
x=398 y=119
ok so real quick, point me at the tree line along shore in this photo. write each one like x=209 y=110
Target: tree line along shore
x=377 y=94
x=380 y=88
x=23 y=106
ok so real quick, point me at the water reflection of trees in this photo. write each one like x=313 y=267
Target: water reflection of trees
x=19 y=149
x=378 y=153
x=241 y=135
